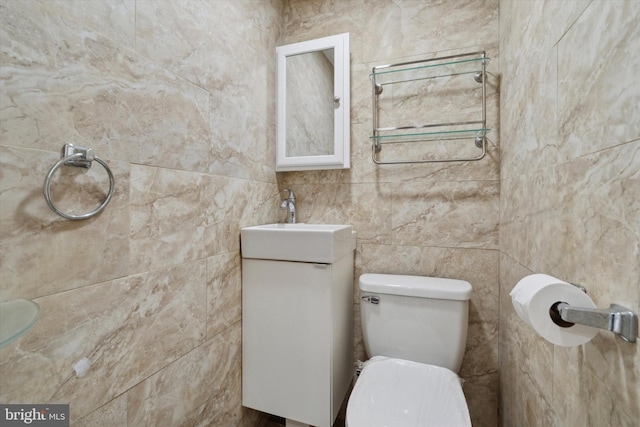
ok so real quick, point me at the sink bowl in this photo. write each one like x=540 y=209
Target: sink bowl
x=321 y=243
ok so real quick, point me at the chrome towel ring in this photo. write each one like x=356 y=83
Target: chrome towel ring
x=73 y=155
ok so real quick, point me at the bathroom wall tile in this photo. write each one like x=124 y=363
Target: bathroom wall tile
x=71 y=73
x=612 y=380
x=199 y=26
x=455 y=214
x=514 y=221
x=229 y=67
x=224 y=292
x=596 y=233
x=240 y=147
x=569 y=387
x=262 y=204
x=170 y=216
x=568 y=202
x=600 y=75
x=115 y=19
x=510 y=355
x=42 y=253
x=480 y=364
x=120 y=326
x=200 y=388
x=226 y=199
x=242 y=118
x=529 y=120
x=396 y=30
x=113 y=413
x=360 y=98
x=482 y=399
x=364 y=206
x=307 y=20
x=530 y=32
x=70 y=84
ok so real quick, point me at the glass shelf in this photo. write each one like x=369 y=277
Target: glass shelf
x=416 y=135
x=16 y=318
x=430 y=69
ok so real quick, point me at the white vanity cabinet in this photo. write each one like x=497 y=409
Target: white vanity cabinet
x=297 y=337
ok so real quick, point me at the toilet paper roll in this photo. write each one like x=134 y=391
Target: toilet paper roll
x=534 y=295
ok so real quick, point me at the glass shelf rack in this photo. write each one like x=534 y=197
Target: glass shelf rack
x=430 y=69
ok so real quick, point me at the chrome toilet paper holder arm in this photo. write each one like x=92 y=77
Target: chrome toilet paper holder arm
x=616 y=318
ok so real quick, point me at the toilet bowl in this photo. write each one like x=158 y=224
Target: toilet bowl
x=396 y=392
x=414 y=330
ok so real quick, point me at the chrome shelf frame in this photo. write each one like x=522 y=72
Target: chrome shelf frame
x=427 y=69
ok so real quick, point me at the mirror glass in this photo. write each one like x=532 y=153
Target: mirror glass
x=313 y=104
x=310 y=104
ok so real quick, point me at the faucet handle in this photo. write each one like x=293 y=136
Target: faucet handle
x=291 y=195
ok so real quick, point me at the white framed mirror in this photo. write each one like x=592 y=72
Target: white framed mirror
x=313 y=106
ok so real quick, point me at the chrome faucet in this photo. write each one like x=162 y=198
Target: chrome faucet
x=289 y=204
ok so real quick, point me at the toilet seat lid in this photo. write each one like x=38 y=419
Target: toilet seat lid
x=393 y=392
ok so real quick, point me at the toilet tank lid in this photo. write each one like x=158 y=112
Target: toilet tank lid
x=416 y=286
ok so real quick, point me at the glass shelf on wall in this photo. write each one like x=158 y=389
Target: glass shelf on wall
x=415 y=135
x=473 y=63
x=16 y=318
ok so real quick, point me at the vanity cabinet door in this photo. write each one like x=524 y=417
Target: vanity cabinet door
x=286 y=333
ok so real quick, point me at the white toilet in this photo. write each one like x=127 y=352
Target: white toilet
x=415 y=332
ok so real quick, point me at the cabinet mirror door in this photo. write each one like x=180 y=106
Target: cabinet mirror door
x=313 y=105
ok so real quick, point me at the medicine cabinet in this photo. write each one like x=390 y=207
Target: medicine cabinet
x=312 y=128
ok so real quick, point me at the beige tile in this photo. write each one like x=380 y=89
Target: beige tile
x=612 y=370
x=113 y=413
x=113 y=18
x=203 y=385
x=128 y=329
x=70 y=84
x=42 y=253
x=224 y=292
x=568 y=204
x=601 y=75
x=529 y=120
x=170 y=216
x=454 y=214
x=396 y=30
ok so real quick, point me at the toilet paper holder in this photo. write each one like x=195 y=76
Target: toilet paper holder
x=616 y=318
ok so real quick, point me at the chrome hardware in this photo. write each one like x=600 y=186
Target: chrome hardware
x=73 y=155
x=417 y=133
x=479 y=141
x=83 y=161
x=617 y=319
x=289 y=204
x=582 y=288
x=371 y=299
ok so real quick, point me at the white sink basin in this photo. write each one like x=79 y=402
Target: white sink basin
x=322 y=243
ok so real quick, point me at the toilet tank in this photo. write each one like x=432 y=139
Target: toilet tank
x=418 y=318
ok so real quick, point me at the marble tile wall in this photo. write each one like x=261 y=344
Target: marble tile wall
x=166 y=93
x=569 y=201
x=437 y=219
x=149 y=291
